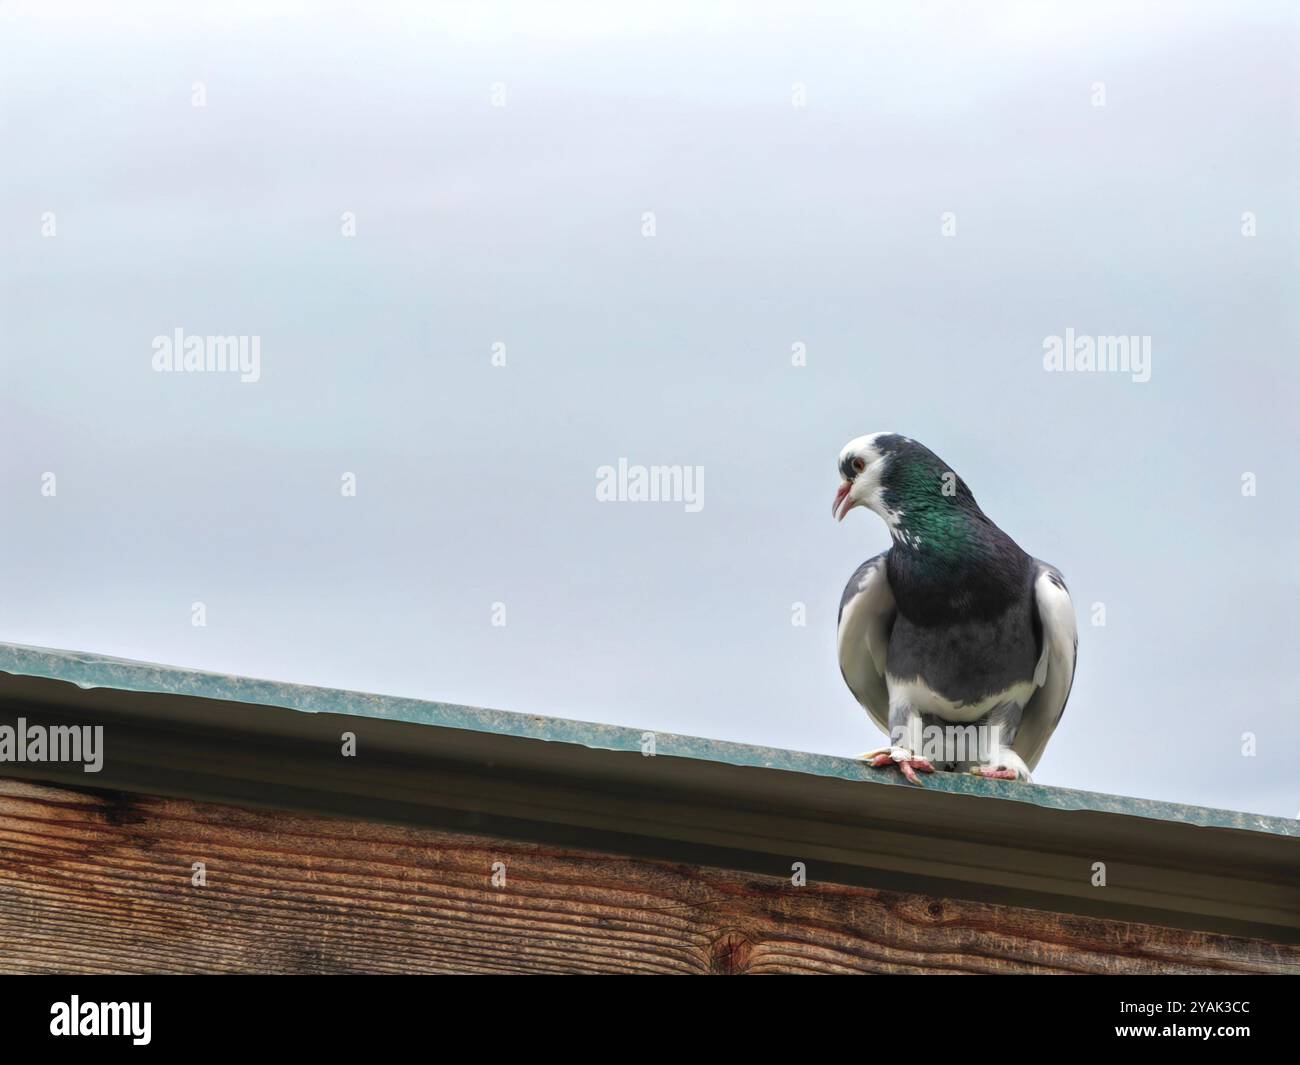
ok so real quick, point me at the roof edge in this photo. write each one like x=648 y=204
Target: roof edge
x=91 y=670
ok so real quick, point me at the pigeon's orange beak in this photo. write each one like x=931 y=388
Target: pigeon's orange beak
x=843 y=504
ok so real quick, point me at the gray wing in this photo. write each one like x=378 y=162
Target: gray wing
x=1054 y=675
x=867 y=613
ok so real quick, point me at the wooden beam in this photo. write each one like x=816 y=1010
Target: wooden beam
x=101 y=882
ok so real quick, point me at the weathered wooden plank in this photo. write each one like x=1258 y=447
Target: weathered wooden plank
x=101 y=882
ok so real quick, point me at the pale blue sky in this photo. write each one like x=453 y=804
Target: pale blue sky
x=775 y=225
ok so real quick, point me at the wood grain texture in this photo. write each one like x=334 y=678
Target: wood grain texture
x=100 y=882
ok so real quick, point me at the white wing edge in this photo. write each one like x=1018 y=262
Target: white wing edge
x=1054 y=675
x=867 y=614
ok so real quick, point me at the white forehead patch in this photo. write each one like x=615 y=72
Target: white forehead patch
x=864 y=446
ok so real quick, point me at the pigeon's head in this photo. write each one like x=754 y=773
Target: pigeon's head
x=893 y=474
x=862 y=465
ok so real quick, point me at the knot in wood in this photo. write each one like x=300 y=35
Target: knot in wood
x=729 y=954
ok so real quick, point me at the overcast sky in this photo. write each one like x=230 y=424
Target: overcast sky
x=1095 y=167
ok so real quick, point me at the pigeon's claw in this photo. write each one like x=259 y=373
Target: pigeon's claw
x=988 y=773
x=907 y=762
x=1010 y=768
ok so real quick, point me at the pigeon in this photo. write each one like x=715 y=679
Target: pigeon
x=957 y=643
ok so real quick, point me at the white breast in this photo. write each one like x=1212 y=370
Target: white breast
x=919 y=696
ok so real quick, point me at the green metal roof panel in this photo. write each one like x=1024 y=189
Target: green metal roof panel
x=98 y=671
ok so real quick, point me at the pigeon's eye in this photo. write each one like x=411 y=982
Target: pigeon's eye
x=859 y=464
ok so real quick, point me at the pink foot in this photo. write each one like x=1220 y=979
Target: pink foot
x=995 y=774
x=909 y=766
